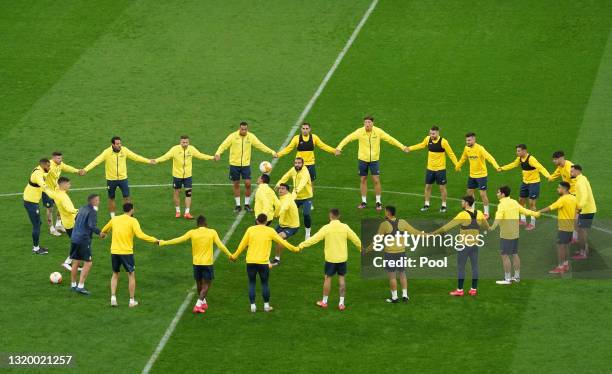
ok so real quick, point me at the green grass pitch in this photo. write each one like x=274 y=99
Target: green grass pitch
x=75 y=73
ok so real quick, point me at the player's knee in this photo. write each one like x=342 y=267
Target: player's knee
x=188 y=192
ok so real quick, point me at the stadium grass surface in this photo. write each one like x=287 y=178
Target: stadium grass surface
x=150 y=72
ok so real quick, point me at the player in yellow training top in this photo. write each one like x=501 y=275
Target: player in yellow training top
x=563 y=170
x=66 y=210
x=369 y=137
x=302 y=190
x=115 y=167
x=266 y=201
x=240 y=143
x=288 y=218
x=530 y=185
x=586 y=208
x=478 y=157
x=566 y=208
x=31 y=200
x=57 y=165
x=438 y=148
x=182 y=171
x=202 y=239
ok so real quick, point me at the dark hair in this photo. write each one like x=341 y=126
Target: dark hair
x=201 y=221
x=335 y=212
x=127 y=207
x=565 y=185
x=91 y=197
x=184 y=137
x=62 y=179
x=505 y=190
x=284 y=185
x=435 y=128
x=368 y=118
x=558 y=154
x=114 y=139
x=390 y=209
x=262 y=218
x=470 y=134
x=577 y=167
x=43 y=161
x=56 y=153
x=243 y=123
x=265 y=178
x=306 y=124
x=521 y=146
x=469 y=199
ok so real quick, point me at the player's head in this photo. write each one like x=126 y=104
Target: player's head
x=263 y=179
x=470 y=139
x=503 y=191
x=128 y=208
x=467 y=202
x=368 y=123
x=434 y=132
x=201 y=221
x=305 y=128
x=389 y=212
x=93 y=200
x=283 y=189
x=576 y=170
x=262 y=219
x=558 y=158
x=244 y=128
x=184 y=141
x=298 y=163
x=116 y=143
x=57 y=157
x=334 y=213
x=563 y=188
x=45 y=164
x=521 y=150
x=63 y=183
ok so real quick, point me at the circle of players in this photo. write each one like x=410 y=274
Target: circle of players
x=576 y=209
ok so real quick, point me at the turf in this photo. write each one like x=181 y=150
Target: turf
x=149 y=71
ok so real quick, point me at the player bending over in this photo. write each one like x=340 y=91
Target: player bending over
x=288 y=219
x=302 y=190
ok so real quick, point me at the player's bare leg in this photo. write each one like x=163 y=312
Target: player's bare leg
x=523 y=219
x=583 y=242
x=532 y=206
x=177 y=202
x=443 y=197
x=236 y=191
x=404 y=284
x=247 y=195
x=392 y=275
x=74 y=273
x=377 y=191
x=485 y=202
x=516 y=262
x=52 y=229
x=113 y=287
x=326 y=289
x=507 y=265
x=341 y=291
x=111 y=206
x=278 y=250
x=363 y=187
x=188 y=203
x=132 y=289
x=427 y=197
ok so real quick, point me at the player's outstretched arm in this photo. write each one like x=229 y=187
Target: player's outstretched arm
x=180 y=239
x=449 y=151
x=555 y=174
x=141 y=235
x=241 y=247
x=290 y=147
x=322 y=145
x=165 y=157
x=221 y=246
x=201 y=156
x=278 y=239
x=347 y=139
x=223 y=146
x=353 y=237
x=420 y=145
x=391 y=140
x=68 y=168
x=461 y=161
x=261 y=146
x=97 y=161
x=491 y=159
x=536 y=164
x=136 y=157
x=320 y=235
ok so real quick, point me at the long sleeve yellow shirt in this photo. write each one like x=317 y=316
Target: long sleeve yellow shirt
x=64 y=205
x=258 y=239
x=565 y=173
x=288 y=214
x=266 y=201
x=507 y=217
x=307 y=155
x=478 y=157
x=335 y=234
x=36 y=185
x=55 y=171
x=565 y=206
x=584 y=195
x=182 y=160
x=240 y=148
x=115 y=163
x=302 y=185
x=202 y=240
x=124 y=228
x=369 y=143
x=436 y=160
x=531 y=168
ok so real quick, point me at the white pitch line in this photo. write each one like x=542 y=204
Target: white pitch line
x=170 y=330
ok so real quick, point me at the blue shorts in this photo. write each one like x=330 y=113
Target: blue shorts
x=305 y=204
x=289 y=231
x=238 y=172
x=112 y=187
x=126 y=260
x=508 y=246
x=564 y=237
x=373 y=167
x=333 y=268
x=585 y=221
x=438 y=176
x=313 y=172
x=398 y=258
x=530 y=190
x=47 y=201
x=477 y=183
x=179 y=183
x=80 y=251
x=203 y=272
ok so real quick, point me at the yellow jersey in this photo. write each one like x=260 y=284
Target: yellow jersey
x=202 y=240
x=182 y=160
x=335 y=234
x=305 y=147
x=259 y=240
x=438 y=149
x=386 y=228
x=124 y=227
x=288 y=214
x=64 y=205
x=566 y=211
x=302 y=185
x=36 y=184
x=369 y=143
x=507 y=217
x=266 y=201
x=55 y=170
x=584 y=195
x=240 y=148
x=478 y=157
x=531 y=168
x=115 y=163
x=564 y=173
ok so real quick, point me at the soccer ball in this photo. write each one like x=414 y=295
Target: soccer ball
x=265 y=167
x=55 y=277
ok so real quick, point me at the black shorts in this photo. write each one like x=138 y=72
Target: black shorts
x=508 y=246
x=239 y=172
x=123 y=186
x=126 y=260
x=477 y=183
x=178 y=183
x=530 y=190
x=80 y=251
x=564 y=237
x=203 y=272
x=47 y=201
x=585 y=221
x=398 y=259
x=372 y=167
x=438 y=176
x=333 y=268
x=313 y=172
x=289 y=231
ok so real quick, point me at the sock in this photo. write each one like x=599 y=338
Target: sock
x=112 y=214
x=237 y=199
x=199 y=303
x=266 y=305
x=307 y=231
x=486 y=209
x=378 y=197
x=426 y=202
x=404 y=292
x=204 y=301
x=517 y=274
x=253 y=307
x=444 y=203
x=186 y=210
x=393 y=294
x=325 y=299
x=575 y=235
x=131 y=299
x=523 y=218
x=68 y=260
x=247 y=200
x=35 y=248
x=341 y=302
x=81 y=285
x=533 y=220
x=58 y=222
x=277 y=258
x=178 y=209
x=74 y=284
x=507 y=276
x=364 y=199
